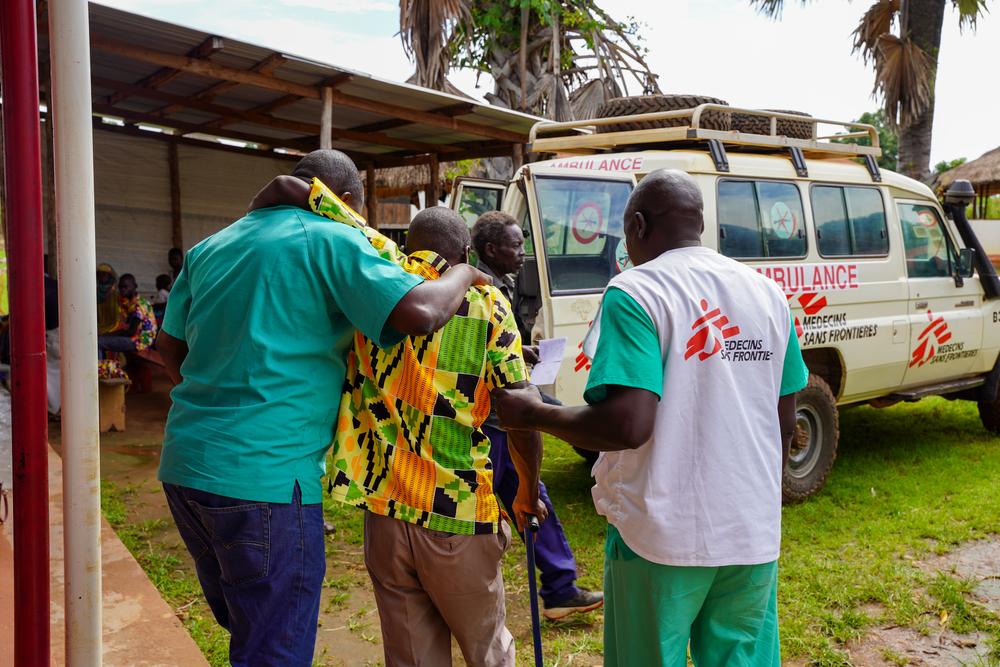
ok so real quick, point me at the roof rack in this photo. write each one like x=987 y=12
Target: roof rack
x=582 y=138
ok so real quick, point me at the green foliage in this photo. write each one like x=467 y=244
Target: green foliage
x=887 y=138
x=948 y=165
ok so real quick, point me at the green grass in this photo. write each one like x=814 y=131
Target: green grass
x=177 y=584
x=910 y=481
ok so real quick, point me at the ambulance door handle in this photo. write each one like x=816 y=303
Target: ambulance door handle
x=900 y=329
x=920 y=305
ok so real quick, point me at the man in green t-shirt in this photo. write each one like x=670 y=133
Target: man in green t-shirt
x=255 y=336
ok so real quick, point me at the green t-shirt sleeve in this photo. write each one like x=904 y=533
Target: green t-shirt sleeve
x=794 y=373
x=178 y=306
x=365 y=287
x=628 y=350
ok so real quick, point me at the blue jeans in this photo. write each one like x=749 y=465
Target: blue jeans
x=261 y=566
x=553 y=557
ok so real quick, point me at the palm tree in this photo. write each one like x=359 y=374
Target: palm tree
x=557 y=59
x=901 y=39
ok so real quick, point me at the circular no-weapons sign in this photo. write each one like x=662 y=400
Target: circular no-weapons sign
x=783 y=221
x=622 y=260
x=588 y=221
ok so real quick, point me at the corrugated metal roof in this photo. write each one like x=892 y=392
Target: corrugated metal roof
x=129 y=48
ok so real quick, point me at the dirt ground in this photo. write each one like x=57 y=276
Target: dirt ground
x=349 y=633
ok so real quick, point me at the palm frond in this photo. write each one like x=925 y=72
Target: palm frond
x=875 y=23
x=425 y=28
x=969 y=12
x=771 y=8
x=904 y=76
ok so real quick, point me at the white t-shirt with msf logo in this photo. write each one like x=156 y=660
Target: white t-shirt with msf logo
x=713 y=339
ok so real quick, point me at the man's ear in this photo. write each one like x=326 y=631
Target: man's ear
x=640 y=225
x=465 y=255
x=347 y=198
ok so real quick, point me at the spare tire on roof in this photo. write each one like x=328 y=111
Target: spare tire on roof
x=762 y=125
x=629 y=106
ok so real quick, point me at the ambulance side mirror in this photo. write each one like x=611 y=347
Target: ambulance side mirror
x=966 y=263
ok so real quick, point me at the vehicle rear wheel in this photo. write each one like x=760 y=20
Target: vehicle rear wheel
x=814 y=448
x=587 y=455
x=628 y=106
x=989 y=414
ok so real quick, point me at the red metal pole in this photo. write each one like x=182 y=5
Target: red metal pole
x=23 y=219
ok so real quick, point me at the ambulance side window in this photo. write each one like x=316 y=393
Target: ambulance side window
x=759 y=219
x=850 y=221
x=929 y=252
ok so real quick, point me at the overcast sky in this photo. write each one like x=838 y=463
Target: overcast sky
x=714 y=47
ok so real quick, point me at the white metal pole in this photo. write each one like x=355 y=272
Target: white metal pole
x=326 y=120
x=69 y=41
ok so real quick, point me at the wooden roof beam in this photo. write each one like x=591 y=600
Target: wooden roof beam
x=191 y=128
x=265 y=66
x=230 y=116
x=210 y=45
x=392 y=123
x=214 y=70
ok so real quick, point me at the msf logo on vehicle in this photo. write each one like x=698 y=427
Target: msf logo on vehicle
x=710 y=332
x=927 y=348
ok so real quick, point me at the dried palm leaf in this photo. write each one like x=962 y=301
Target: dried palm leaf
x=877 y=21
x=425 y=28
x=904 y=76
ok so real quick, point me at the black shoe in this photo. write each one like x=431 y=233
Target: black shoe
x=583 y=601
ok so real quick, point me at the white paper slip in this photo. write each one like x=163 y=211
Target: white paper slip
x=550 y=358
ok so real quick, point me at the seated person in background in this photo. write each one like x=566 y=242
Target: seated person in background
x=175 y=258
x=163 y=283
x=138 y=324
x=108 y=309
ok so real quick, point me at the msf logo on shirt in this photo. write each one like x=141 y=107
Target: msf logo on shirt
x=925 y=349
x=710 y=332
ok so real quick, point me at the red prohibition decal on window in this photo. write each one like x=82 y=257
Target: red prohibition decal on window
x=587 y=222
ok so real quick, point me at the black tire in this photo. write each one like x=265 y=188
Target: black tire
x=989 y=414
x=628 y=106
x=814 y=448
x=760 y=125
x=587 y=455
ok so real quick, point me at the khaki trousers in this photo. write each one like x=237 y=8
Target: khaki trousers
x=431 y=585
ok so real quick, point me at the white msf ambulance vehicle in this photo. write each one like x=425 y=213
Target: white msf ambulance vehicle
x=892 y=294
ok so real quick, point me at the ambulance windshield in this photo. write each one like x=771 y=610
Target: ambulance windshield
x=582 y=225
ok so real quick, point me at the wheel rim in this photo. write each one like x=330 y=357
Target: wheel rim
x=807 y=443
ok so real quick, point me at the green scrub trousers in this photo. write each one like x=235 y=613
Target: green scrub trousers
x=651 y=611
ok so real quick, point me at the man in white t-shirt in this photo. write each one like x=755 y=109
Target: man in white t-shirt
x=690 y=484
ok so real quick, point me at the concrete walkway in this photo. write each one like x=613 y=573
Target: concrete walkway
x=140 y=629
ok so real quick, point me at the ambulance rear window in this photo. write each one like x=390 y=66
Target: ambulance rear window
x=582 y=227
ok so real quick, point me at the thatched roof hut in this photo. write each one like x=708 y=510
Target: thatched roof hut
x=983 y=173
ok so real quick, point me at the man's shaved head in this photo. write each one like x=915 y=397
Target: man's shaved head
x=441 y=230
x=337 y=171
x=664 y=212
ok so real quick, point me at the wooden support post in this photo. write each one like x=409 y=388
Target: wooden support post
x=516 y=157
x=371 y=196
x=326 y=120
x=434 y=183
x=176 y=227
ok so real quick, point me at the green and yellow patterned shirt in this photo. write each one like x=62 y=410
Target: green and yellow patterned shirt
x=409 y=442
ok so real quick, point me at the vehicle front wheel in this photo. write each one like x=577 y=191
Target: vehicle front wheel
x=814 y=447
x=989 y=414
